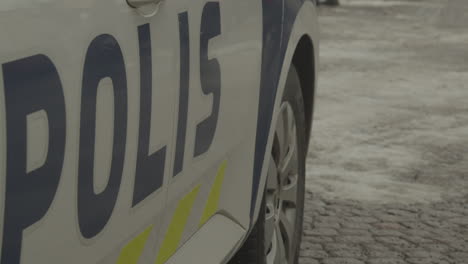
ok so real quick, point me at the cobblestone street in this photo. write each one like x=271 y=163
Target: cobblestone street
x=387 y=172
x=347 y=232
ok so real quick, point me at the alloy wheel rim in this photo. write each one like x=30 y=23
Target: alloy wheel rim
x=281 y=191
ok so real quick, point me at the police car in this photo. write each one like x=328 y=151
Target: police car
x=154 y=131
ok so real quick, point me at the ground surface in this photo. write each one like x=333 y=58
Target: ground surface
x=388 y=164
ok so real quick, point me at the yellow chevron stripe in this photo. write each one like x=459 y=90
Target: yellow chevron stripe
x=213 y=199
x=133 y=250
x=176 y=227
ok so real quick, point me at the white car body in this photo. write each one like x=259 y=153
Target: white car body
x=100 y=160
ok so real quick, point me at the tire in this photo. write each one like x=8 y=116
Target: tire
x=257 y=248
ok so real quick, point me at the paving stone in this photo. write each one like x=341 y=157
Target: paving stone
x=355 y=239
x=363 y=219
x=318 y=239
x=404 y=248
x=384 y=254
x=386 y=232
x=436 y=247
x=459 y=245
x=305 y=245
x=438 y=223
x=418 y=232
x=354 y=225
x=389 y=226
x=327 y=219
x=424 y=254
x=344 y=250
x=402 y=212
x=443 y=214
x=427 y=261
x=416 y=225
x=459 y=256
x=342 y=261
x=316 y=254
x=389 y=217
x=459 y=220
x=387 y=261
x=307 y=260
x=355 y=232
x=418 y=239
x=323 y=232
x=392 y=240
x=334 y=225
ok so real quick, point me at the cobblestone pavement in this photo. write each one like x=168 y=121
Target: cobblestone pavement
x=347 y=232
x=388 y=165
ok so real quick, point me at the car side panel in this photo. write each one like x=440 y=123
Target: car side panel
x=63 y=34
x=196 y=185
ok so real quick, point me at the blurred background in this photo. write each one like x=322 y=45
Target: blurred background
x=388 y=166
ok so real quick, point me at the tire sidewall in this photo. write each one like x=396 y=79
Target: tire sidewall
x=293 y=95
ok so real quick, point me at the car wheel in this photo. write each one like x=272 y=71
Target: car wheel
x=276 y=237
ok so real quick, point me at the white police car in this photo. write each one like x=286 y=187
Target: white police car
x=154 y=131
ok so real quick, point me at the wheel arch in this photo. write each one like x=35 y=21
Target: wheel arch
x=304 y=62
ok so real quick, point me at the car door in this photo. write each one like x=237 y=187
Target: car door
x=87 y=96
x=124 y=128
x=213 y=174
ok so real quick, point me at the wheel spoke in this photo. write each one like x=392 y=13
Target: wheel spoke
x=269 y=230
x=288 y=192
x=280 y=257
x=281 y=133
x=270 y=203
x=272 y=180
x=289 y=163
x=288 y=231
x=290 y=121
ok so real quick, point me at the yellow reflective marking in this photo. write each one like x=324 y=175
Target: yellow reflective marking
x=176 y=227
x=213 y=199
x=133 y=250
